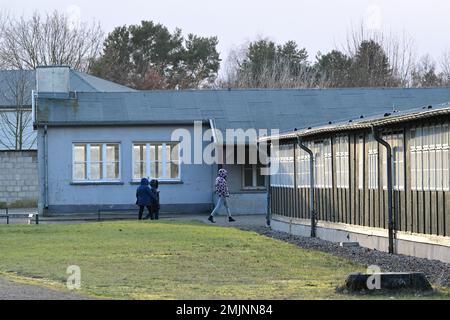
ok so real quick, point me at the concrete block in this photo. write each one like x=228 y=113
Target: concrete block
x=390 y=281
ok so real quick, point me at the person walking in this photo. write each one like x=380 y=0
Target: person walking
x=144 y=197
x=223 y=194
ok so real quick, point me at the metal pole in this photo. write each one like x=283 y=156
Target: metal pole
x=391 y=222
x=269 y=207
x=7 y=215
x=312 y=187
x=45 y=167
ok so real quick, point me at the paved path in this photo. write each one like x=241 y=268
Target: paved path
x=17 y=291
x=222 y=220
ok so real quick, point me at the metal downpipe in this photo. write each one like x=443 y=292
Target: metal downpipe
x=45 y=167
x=391 y=222
x=312 y=186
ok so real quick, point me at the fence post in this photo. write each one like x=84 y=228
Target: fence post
x=7 y=215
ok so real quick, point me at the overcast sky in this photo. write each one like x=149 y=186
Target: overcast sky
x=314 y=24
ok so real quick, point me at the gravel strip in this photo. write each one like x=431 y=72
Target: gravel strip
x=18 y=291
x=437 y=272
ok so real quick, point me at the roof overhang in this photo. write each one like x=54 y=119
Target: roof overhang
x=387 y=120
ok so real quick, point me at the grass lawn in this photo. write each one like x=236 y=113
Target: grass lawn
x=170 y=260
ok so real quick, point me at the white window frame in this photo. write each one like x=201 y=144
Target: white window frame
x=88 y=162
x=361 y=144
x=429 y=154
x=303 y=167
x=322 y=164
x=163 y=161
x=342 y=154
x=285 y=175
x=395 y=140
x=372 y=163
x=254 y=186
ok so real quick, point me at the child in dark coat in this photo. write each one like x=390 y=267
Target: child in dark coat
x=154 y=206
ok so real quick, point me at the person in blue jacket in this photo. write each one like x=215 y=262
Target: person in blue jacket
x=144 y=197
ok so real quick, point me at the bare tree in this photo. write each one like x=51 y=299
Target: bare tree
x=445 y=67
x=16 y=132
x=271 y=73
x=49 y=39
x=424 y=73
x=400 y=50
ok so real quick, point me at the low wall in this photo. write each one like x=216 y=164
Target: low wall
x=18 y=177
x=417 y=245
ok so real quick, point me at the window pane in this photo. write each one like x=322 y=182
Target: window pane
x=112 y=170
x=96 y=171
x=174 y=170
x=156 y=170
x=80 y=153
x=168 y=152
x=79 y=171
x=153 y=156
x=175 y=152
x=139 y=152
x=260 y=179
x=139 y=170
x=96 y=152
x=248 y=176
x=112 y=153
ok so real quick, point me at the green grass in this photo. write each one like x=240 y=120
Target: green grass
x=171 y=260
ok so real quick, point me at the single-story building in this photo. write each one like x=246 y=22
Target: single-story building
x=380 y=181
x=18 y=143
x=94 y=147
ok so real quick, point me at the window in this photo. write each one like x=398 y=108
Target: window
x=156 y=161
x=398 y=177
x=328 y=157
x=323 y=174
x=342 y=162
x=284 y=177
x=361 y=163
x=322 y=164
x=96 y=162
x=372 y=163
x=303 y=167
x=252 y=177
x=429 y=150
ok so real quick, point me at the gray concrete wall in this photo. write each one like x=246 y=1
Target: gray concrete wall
x=18 y=176
x=422 y=246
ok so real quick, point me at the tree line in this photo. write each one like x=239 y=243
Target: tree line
x=149 y=56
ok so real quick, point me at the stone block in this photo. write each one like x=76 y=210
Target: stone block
x=388 y=281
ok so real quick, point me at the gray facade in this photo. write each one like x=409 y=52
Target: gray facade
x=192 y=192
